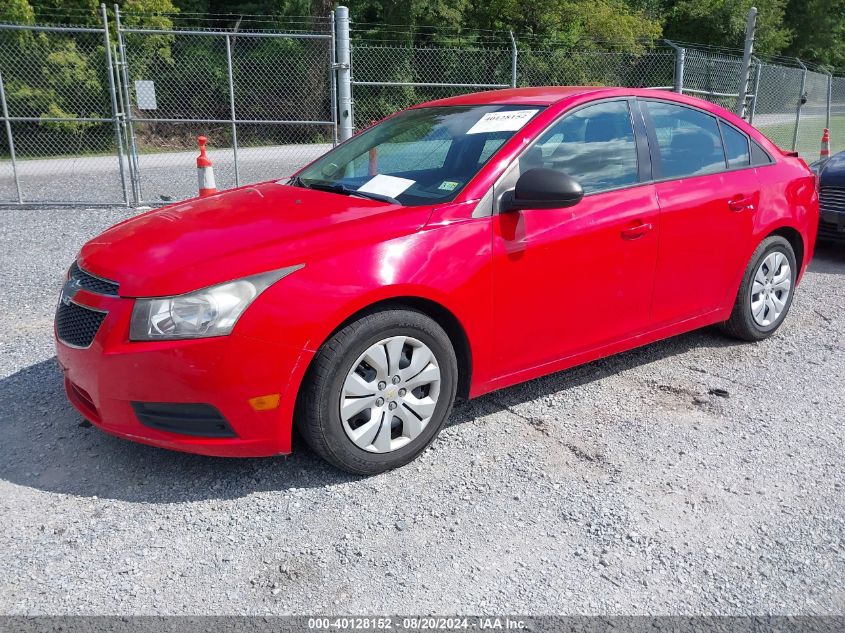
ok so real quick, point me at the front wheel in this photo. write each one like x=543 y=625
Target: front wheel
x=765 y=294
x=379 y=391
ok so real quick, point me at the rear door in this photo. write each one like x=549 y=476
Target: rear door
x=708 y=193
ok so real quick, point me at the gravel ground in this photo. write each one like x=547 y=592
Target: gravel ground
x=621 y=487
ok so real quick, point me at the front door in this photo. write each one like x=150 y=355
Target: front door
x=572 y=279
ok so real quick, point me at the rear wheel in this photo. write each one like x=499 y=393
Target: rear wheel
x=765 y=294
x=379 y=391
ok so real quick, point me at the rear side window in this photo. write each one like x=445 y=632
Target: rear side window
x=736 y=146
x=688 y=140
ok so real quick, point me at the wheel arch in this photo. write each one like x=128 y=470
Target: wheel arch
x=787 y=232
x=435 y=311
x=796 y=241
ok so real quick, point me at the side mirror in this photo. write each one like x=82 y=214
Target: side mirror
x=542 y=188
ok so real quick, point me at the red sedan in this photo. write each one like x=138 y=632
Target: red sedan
x=455 y=248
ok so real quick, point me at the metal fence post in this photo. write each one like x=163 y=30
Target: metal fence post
x=344 y=78
x=829 y=98
x=332 y=77
x=745 y=73
x=680 y=57
x=232 y=108
x=116 y=114
x=800 y=103
x=758 y=70
x=514 y=54
x=10 y=137
x=134 y=170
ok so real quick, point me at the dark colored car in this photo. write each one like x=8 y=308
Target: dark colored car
x=832 y=197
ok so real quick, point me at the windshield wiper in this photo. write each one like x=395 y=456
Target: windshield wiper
x=337 y=187
x=374 y=196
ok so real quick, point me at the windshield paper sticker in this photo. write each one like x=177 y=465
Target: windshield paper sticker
x=386 y=185
x=508 y=121
x=448 y=185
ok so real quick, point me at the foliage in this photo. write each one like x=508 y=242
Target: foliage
x=722 y=23
x=464 y=41
x=819 y=30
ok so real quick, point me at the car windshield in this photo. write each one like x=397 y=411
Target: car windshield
x=420 y=156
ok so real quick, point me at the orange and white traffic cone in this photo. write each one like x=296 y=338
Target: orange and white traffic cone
x=205 y=172
x=825 y=151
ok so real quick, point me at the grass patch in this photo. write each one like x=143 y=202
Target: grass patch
x=809 y=135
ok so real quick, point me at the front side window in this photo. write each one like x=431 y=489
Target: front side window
x=594 y=145
x=420 y=156
x=688 y=140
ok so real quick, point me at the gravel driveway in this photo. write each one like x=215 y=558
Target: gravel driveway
x=627 y=486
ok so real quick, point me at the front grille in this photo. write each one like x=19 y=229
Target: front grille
x=828 y=231
x=76 y=325
x=89 y=282
x=832 y=199
x=202 y=420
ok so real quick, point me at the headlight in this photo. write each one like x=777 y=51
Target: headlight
x=208 y=312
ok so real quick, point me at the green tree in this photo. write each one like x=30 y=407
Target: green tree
x=582 y=21
x=17 y=12
x=722 y=23
x=819 y=28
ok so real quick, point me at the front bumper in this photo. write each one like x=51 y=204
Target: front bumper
x=832 y=225
x=103 y=381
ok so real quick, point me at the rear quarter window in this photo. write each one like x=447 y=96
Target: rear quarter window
x=759 y=156
x=736 y=146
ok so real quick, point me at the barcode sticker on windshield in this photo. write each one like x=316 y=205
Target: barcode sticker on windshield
x=508 y=121
x=386 y=185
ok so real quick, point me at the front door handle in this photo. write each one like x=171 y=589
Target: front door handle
x=741 y=203
x=637 y=231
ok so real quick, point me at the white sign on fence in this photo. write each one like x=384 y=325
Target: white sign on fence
x=145 y=94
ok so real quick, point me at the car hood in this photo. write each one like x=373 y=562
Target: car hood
x=833 y=171
x=205 y=241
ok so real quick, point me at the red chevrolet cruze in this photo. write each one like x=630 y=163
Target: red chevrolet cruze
x=455 y=248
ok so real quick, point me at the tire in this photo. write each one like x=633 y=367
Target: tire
x=330 y=434
x=743 y=324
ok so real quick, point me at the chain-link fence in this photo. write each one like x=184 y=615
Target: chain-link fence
x=713 y=76
x=775 y=109
x=566 y=67
x=788 y=101
x=387 y=78
x=59 y=123
x=109 y=112
x=264 y=100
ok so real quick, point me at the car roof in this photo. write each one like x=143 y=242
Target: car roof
x=541 y=95
x=549 y=95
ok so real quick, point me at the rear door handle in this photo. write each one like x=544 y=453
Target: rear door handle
x=741 y=203
x=637 y=231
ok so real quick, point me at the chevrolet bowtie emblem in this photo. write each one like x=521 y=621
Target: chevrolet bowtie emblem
x=69 y=290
